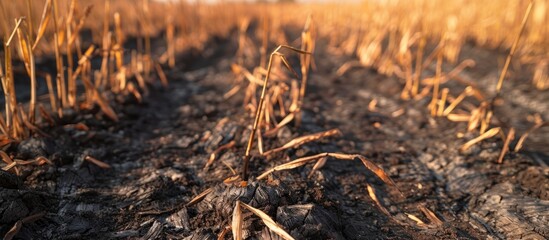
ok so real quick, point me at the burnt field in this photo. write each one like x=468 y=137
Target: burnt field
x=270 y=127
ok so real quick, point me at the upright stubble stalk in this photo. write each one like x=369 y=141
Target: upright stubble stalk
x=257 y=119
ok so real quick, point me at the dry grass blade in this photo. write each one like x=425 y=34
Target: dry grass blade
x=377 y=170
x=199 y=197
x=488 y=134
x=476 y=115
x=419 y=66
x=373 y=196
x=78 y=27
x=78 y=126
x=45 y=115
x=30 y=16
x=10 y=166
x=304 y=139
x=459 y=117
x=522 y=138
x=31 y=68
x=505 y=149
x=216 y=152
x=416 y=219
x=87 y=55
x=133 y=89
x=23 y=47
x=17 y=24
x=170 y=29
x=442 y=102
x=105 y=107
x=13 y=230
x=319 y=164
x=232 y=92
x=431 y=216
x=291 y=165
x=372 y=105
x=61 y=88
x=17 y=226
x=20 y=120
x=398 y=112
x=467 y=92
x=249 y=76
x=232 y=179
x=281 y=124
x=4 y=139
x=40 y=160
x=7 y=159
x=161 y=75
x=51 y=92
x=347 y=66
x=221 y=235
x=485 y=121
x=43 y=23
x=287 y=64
x=33 y=217
x=260 y=141
x=433 y=105
x=97 y=162
x=272 y=225
x=514 y=47
x=34 y=128
x=236 y=223
x=308 y=43
x=341 y=156
x=9 y=88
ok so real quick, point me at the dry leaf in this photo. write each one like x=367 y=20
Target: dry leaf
x=236 y=223
x=272 y=225
x=431 y=216
x=377 y=171
x=373 y=196
x=43 y=23
x=199 y=197
x=488 y=134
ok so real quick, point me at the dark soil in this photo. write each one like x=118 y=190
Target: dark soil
x=158 y=150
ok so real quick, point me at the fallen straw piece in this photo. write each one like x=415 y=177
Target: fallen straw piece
x=199 y=197
x=319 y=164
x=341 y=156
x=372 y=194
x=418 y=221
x=528 y=132
x=236 y=222
x=304 y=139
x=97 y=162
x=488 y=134
x=434 y=220
x=216 y=152
x=510 y=136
